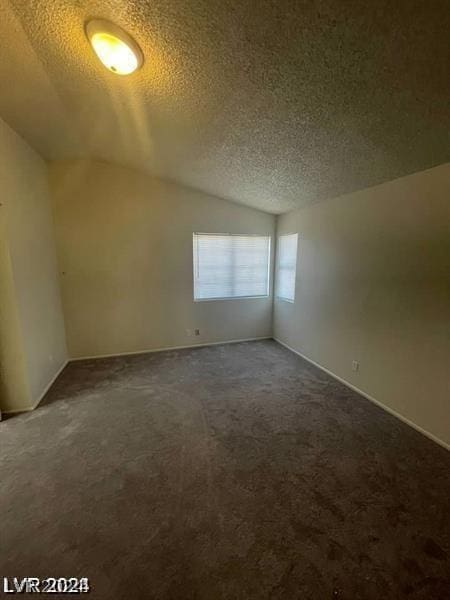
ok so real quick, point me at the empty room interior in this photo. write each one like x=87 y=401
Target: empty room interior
x=225 y=299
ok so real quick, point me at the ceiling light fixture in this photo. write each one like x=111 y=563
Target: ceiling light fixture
x=114 y=47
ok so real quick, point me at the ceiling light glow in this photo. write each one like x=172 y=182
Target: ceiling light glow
x=114 y=47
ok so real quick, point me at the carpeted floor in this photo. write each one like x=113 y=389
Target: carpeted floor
x=229 y=472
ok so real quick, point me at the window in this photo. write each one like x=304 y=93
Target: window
x=286 y=267
x=230 y=266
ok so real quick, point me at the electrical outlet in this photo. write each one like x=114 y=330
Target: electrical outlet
x=189 y=332
x=196 y=331
x=355 y=365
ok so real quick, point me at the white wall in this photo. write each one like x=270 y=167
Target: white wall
x=32 y=327
x=125 y=255
x=373 y=284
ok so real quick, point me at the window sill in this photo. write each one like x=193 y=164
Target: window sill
x=284 y=299
x=231 y=298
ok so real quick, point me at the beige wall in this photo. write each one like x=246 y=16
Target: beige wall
x=373 y=284
x=14 y=390
x=32 y=327
x=125 y=252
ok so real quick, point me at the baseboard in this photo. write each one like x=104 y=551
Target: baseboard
x=165 y=348
x=18 y=411
x=365 y=395
x=41 y=395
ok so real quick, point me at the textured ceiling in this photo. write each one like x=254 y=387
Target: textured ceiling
x=274 y=104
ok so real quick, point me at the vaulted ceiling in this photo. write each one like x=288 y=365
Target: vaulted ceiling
x=271 y=103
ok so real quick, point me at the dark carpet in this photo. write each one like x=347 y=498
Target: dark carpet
x=229 y=472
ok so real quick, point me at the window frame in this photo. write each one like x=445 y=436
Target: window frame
x=277 y=267
x=195 y=263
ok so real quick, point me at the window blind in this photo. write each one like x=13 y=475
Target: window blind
x=286 y=267
x=230 y=266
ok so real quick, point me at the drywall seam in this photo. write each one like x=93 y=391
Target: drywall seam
x=41 y=395
x=368 y=397
x=77 y=358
